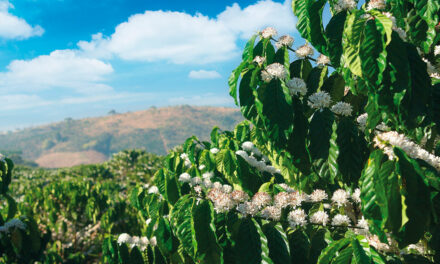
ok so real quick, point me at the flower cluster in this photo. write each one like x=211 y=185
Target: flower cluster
x=214 y=150
x=432 y=71
x=269 y=32
x=319 y=100
x=276 y=70
x=259 y=60
x=376 y=4
x=437 y=50
x=322 y=60
x=297 y=86
x=135 y=241
x=342 y=5
x=284 y=41
x=304 y=51
x=12 y=224
x=342 y=108
x=252 y=158
x=362 y=121
x=186 y=160
x=387 y=140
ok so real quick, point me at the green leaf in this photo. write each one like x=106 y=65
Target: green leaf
x=316 y=79
x=299 y=244
x=360 y=256
x=344 y=256
x=250 y=243
x=208 y=250
x=300 y=69
x=333 y=32
x=309 y=13
x=227 y=164
x=335 y=86
x=330 y=251
x=171 y=188
x=428 y=10
x=136 y=256
x=277 y=243
x=249 y=49
x=233 y=79
x=320 y=132
x=182 y=223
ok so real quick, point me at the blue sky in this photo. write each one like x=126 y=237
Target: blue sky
x=77 y=58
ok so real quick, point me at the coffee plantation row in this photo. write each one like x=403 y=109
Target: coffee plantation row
x=337 y=162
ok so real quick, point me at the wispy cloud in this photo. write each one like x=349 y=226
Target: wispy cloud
x=13 y=27
x=203 y=74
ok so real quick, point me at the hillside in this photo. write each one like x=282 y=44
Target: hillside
x=92 y=140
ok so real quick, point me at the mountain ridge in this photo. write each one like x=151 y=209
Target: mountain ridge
x=94 y=139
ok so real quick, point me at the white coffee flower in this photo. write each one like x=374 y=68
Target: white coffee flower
x=319 y=100
x=242 y=154
x=282 y=200
x=339 y=220
x=272 y=213
x=217 y=185
x=208 y=175
x=196 y=181
x=247 y=146
x=124 y=238
x=261 y=199
x=304 y=51
x=153 y=241
x=297 y=86
x=340 y=197
x=202 y=167
x=284 y=41
x=356 y=196
x=256 y=152
x=153 y=189
x=207 y=183
x=286 y=188
x=342 y=5
x=239 y=196
x=296 y=199
x=342 y=108
x=322 y=60
x=296 y=218
x=432 y=71
x=247 y=208
x=362 y=223
x=265 y=76
x=185 y=177
x=437 y=50
x=187 y=163
x=362 y=121
x=319 y=217
x=227 y=188
x=268 y=32
x=259 y=60
x=318 y=196
x=401 y=32
x=387 y=140
x=184 y=156
x=148 y=221
x=214 y=150
x=277 y=70
x=376 y=4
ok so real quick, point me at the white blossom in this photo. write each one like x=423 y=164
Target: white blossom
x=143 y=243
x=185 y=177
x=319 y=100
x=342 y=5
x=124 y=238
x=376 y=4
x=242 y=154
x=269 y=32
x=202 y=167
x=187 y=163
x=247 y=208
x=259 y=60
x=282 y=199
x=286 y=188
x=297 y=217
x=437 y=50
x=208 y=175
x=153 y=189
x=153 y=241
x=342 y=108
x=284 y=41
x=296 y=198
x=214 y=150
x=265 y=76
x=271 y=212
x=217 y=185
x=304 y=51
x=432 y=71
x=134 y=241
x=340 y=220
x=401 y=32
x=148 y=221
x=297 y=85
x=247 y=146
x=362 y=121
x=239 y=196
x=184 y=156
x=196 y=181
x=319 y=217
x=207 y=183
x=386 y=140
x=262 y=199
x=277 y=70
x=318 y=195
x=227 y=188
x=340 y=197
x=362 y=223
x=356 y=196
x=322 y=60
x=256 y=152
x=222 y=201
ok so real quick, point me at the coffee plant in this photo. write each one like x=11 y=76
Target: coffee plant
x=336 y=162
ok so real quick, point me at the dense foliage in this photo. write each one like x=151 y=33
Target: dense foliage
x=337 y=161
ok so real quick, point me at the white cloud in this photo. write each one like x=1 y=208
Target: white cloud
x=60 y=69
x=181 y=38
x=203 y=74
x=13 y=27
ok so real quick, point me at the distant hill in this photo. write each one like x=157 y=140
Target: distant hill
x=92 y=140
